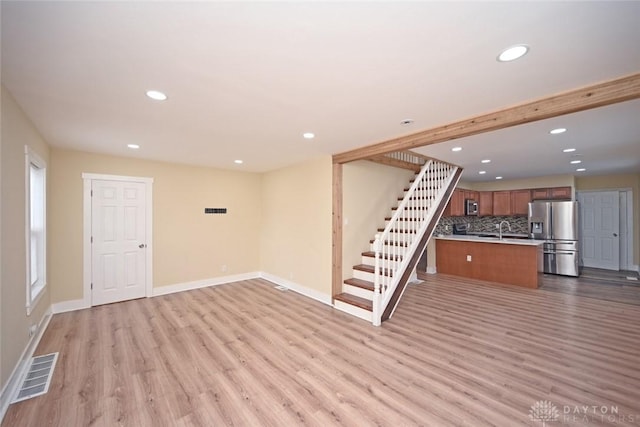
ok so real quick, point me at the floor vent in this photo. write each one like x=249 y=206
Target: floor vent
x=37 y=380
x=281 y=288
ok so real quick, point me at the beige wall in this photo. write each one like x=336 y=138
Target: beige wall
x=17 y=131
x=370 y=190
x=187 y=244
x=296 y=226
x=616 y=182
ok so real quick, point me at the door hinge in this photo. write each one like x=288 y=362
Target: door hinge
x=91 y=193
x=92 y=286
x=91 y=239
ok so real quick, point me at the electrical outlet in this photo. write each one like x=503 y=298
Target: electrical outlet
x=223 y=268
x=497 y=225
x=468 y=258
x=32 y=330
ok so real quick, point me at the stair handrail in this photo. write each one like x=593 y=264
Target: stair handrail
x=433 y=180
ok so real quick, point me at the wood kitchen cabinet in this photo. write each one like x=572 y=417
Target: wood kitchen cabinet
x=520 y=202
x=485 y=203
x=540 y=194
x=470 y=195
x=554 y=193
x=560 y=193
x=456 y=204
x=502 y=203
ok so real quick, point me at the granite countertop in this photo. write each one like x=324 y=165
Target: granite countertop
x=508 y=239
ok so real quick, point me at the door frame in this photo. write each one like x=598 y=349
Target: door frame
x=625 y=240
x=87 y=274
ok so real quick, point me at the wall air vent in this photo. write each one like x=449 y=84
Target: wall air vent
x=215 y=210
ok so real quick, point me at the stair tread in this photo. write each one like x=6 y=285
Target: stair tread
x=370 y=269
x=413 y=208
x=354 y=300
x=403 y=219
x=364 y=284
x=387 y=256
x=399 y=231
x=386 y=242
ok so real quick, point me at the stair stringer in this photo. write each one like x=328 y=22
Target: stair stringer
x=390 y=307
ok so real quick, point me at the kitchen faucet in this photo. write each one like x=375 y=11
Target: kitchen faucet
x=500 y=227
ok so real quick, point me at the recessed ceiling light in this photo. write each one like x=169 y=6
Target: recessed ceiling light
x=512 y=53
x=406 y=122
x=580 y=170
x=157 y=95
x=568 y=150
x=482 y=172
x=575 y=162
x=485 y=161
x=238 y=162
x=308 y=135
x=456 y=149
x=557 y=131
x=133 y=146
x=498 y=177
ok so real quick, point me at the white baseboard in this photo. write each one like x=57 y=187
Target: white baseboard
x=187 y=286
x=303 y=290
x=73 y=305
x=11 y=387
x=431 y=270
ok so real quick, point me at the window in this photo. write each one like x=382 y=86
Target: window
x=36 y=221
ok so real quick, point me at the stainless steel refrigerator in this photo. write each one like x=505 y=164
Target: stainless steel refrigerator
x=557 y=224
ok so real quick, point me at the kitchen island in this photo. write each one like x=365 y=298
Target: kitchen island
x=510 y=261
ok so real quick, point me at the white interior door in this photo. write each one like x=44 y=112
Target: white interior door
x=600 y=213
x=118 y=261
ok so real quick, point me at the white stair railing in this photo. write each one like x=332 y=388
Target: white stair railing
x=407 y=156
x=395 y=246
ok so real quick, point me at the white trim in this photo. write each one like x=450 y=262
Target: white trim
x=86 y=230
x=72 y=305
x=630 y=252
x=15 y=379
x=32 y=158
x=103 y=177
x=303 y=290
x=197 y=284
x=431 y=270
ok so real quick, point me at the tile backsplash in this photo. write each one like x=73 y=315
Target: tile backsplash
x=483 y=224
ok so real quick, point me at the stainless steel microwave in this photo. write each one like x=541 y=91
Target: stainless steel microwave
x=471 y=207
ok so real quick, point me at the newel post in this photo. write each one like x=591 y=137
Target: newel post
x=377 y=248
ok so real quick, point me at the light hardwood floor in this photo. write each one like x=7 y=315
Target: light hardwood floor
x=456 y=352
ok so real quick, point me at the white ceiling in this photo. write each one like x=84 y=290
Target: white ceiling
x=245 y=80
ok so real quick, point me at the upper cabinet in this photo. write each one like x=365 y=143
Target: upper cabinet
x=485 y=203
x=456 y=204
x=520 y=202
x=503 y=203
x=554 y=193
x=514 y=202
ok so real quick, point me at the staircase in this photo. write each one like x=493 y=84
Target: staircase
x=379 y=281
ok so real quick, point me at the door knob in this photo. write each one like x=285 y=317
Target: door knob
x=615 y=234
x=142 y=246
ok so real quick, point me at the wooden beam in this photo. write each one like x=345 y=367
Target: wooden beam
x=336 y=268
x=594 y=96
